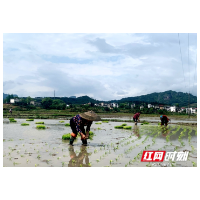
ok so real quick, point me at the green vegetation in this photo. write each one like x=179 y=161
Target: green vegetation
x=66 y=136
x=61 y=121
x=39 y=122
x=123 y=124
x=30 y=120
x=13 y=120
x=119 y=127
x=105 y=121
x=40 y=127
x=127 y=127
x=98 y=123
x=67 y=124
x=24 y=124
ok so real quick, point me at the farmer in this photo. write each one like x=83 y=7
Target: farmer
x=164 y=120
x=136 y=118
x=77 y=124
x=10 y=111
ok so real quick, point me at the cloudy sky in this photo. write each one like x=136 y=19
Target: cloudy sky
x=102 y=66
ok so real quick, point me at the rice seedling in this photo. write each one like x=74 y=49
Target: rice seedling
x=193 y=149
x=16 y=163
x=24 y=124
x=39 y=156
x=58 y=158
x=105 y=121
x=127 y=127
x=95 y=151
x=66 y=136
x=67 y=124
x=13 y=120
x=91 y=133
x=194 y=164
x=22 y=155
x=97 y=160
x=61 y=121
x=30 y=120
x=73 y=161
x=39 y=122
x=36 y=165
x=119 y=127
x=111 y=161
x=124 y=125
x=40 y=126
x=47 y=150
x=98 y=128
x=149 y=164
x=26 y=160
x=98 y=123
x=182 y=143
x=89 y=164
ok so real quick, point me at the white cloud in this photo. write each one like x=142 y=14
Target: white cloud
x=103 y=66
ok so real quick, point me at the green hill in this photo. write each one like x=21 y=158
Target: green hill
x=169 y=97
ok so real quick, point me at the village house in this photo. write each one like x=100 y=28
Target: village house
x=167 y=108
x=14 y=100
x=114 y=105
x=141 y=107
x=161 y=107
x=132 y=105
x=156 y=107
x=173 y=109
x=191 y=110
x=35 y=103
x=150 y=106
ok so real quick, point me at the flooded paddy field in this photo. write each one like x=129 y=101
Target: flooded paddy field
x=26 y=146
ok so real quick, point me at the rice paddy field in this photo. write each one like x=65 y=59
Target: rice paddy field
x=39 y=143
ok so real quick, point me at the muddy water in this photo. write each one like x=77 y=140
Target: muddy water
x=25 y=146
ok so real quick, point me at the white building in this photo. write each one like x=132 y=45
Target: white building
x=14 y=100
x=173 y=109
x=114 y=105
x=190 y=110
x=150 y=106
x=132 y=105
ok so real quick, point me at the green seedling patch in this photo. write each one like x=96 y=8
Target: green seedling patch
x=24 y=124
x=66 y=136
x=124 y=125
x=119 y=127
x=13 y=120
x=67 y=124
x=39 y=122
x=40 y=127
x=61 y=121
x=30 y=120
x=127 y=127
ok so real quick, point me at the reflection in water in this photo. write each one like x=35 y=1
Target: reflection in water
x=165 y=131
x=136 y=131
x=77 y=158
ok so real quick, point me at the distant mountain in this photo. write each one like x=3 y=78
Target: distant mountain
x=168 y=98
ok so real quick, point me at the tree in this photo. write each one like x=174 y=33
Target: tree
x=8 y=98
x=46 y=103
x=28 y=100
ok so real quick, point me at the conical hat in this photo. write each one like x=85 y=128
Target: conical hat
x=90 y=115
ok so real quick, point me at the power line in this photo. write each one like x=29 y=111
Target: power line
x=181 y=59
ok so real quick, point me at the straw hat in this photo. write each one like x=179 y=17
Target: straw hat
x=90 y=115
